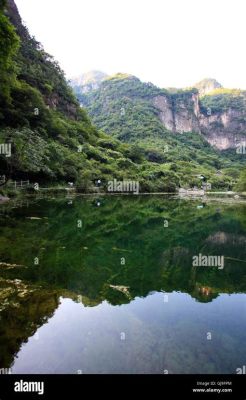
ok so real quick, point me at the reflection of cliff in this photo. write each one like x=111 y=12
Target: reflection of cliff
x=87 y=261
x=25 y=307
x=206 y=283
x=88 y=270
x=222 y=238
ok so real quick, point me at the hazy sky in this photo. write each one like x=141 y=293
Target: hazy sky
x=168 y=42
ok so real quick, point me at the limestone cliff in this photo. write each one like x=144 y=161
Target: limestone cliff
x=223 y=129
x=218 y=114
x=179 y=113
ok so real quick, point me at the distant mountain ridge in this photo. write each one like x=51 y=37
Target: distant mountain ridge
x=206 y=86
x=136 y=132
x=88 y=81
x=91 y=80
x=218 y=114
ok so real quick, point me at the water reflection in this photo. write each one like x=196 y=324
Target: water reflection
x=117 y=292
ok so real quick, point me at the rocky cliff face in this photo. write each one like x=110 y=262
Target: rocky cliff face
x=222 y=130
x=218 y=114
x=179 y=114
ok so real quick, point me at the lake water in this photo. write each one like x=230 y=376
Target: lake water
x=107 y=285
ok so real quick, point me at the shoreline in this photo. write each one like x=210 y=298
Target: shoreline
x=238 y=197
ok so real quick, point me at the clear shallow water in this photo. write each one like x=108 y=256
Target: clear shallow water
x=81 y=310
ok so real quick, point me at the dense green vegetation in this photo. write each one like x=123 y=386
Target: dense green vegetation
x=9 y=43
x=123 y=107
x=219 y=100
x=241 y=185
x=127 y=112
x=51 y=136
x=39 y=113
x=86 y=261
x=53 y=140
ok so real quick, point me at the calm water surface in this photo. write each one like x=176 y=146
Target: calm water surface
x=106 y=285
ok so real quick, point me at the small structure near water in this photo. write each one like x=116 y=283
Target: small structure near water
x=192 y=192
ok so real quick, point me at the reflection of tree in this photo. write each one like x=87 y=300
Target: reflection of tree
x=24 y=308
x=85 y=263
x=87 y=260
x=204 y=294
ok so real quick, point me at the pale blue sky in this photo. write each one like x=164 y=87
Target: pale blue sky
x=168 y=42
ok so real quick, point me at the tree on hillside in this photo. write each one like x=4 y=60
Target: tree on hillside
x=9 y=45
x=241 y=185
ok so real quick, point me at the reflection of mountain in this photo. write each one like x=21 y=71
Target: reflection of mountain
x=23 y=309
x=123 y=242
x=88 y=261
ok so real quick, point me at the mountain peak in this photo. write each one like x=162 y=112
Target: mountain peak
x=207 y=85
x=89 y=80
x=119 y=76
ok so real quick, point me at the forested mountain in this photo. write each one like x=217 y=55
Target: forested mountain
x=51 y=136
x=218 y=114
x=136 y=131
x=175 y=127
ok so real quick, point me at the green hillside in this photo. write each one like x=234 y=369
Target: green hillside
x=52 y=139
x=123 y=107
x=221 y=99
